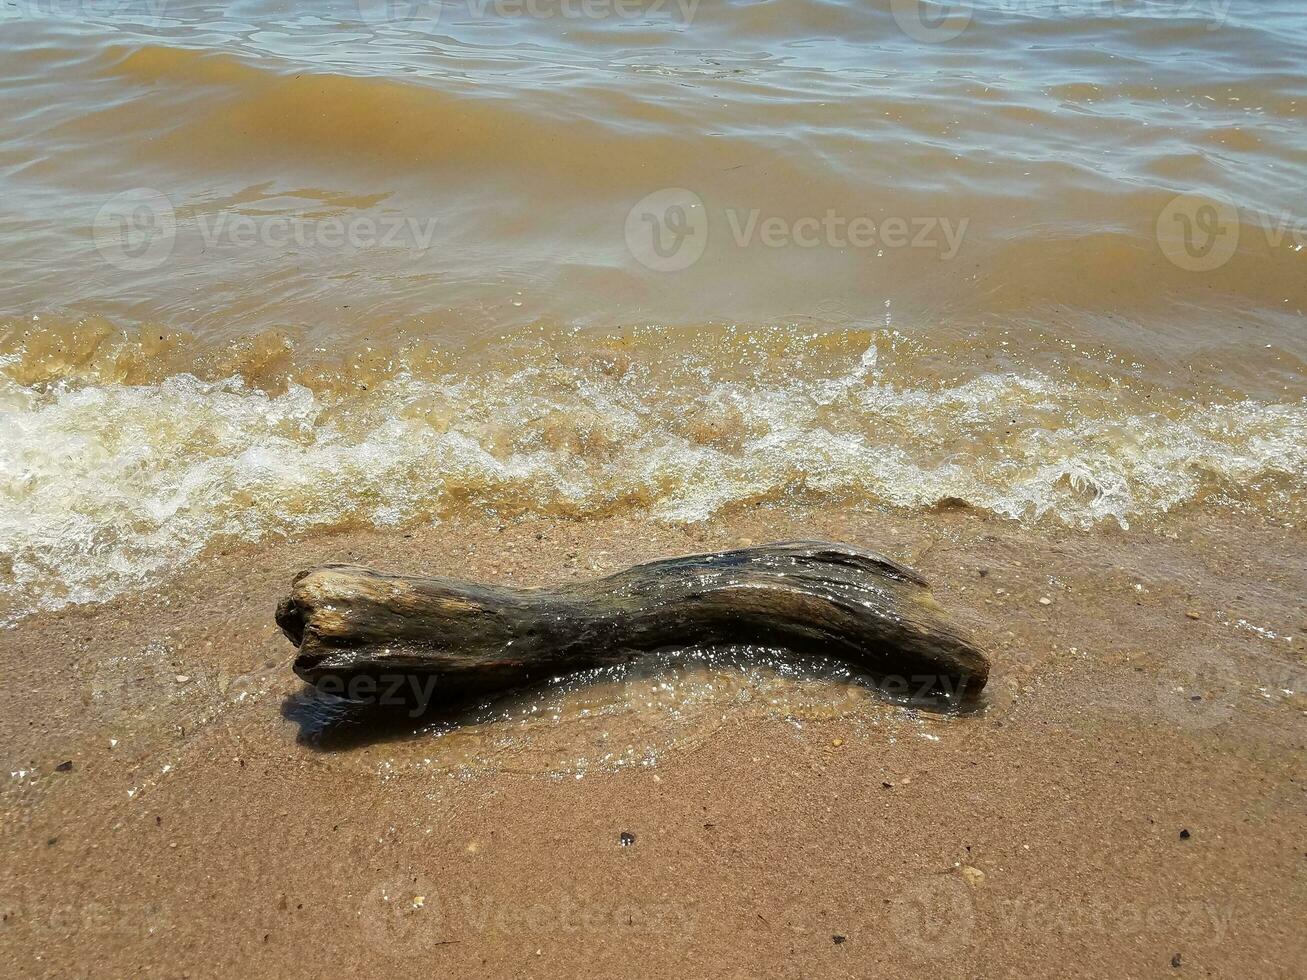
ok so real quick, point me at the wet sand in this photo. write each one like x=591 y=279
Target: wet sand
x=1130 y=801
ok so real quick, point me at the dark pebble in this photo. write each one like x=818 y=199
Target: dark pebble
x=1184 y=834
x=64 y=766
x=627 y=838
x=838 y=939
x=1175 y=961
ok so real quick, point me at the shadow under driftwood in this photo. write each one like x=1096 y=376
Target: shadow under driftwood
x=329 y=722
x=389 y=654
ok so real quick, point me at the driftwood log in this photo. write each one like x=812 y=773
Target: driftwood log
x=804 y=597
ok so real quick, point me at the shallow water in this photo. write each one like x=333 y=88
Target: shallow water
x=592 y=722
x=612 y=718
x=275 y=267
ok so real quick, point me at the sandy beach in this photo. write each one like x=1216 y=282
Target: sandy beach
x=526 y=292
x=1130 y=800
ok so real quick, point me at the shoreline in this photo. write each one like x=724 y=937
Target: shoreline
x=197 y=832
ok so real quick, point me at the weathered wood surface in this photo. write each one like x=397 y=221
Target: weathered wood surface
x=805 y=597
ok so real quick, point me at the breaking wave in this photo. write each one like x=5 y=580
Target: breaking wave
x=115 y=470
